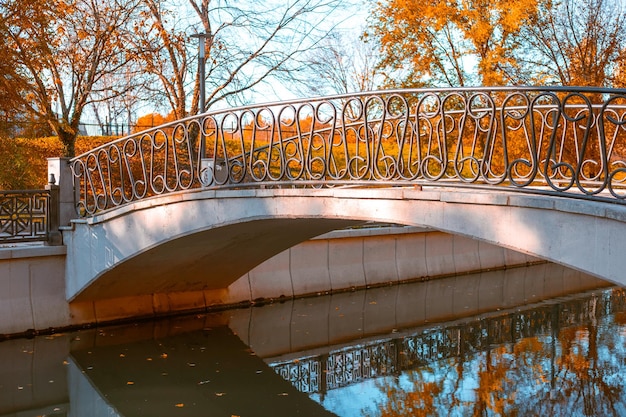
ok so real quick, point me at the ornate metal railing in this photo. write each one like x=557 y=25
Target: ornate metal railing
x=570 y=141
x=25 y=216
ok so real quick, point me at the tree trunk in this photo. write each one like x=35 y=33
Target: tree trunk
x=68 y=140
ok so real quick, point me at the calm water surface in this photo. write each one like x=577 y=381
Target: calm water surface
x=540 y=340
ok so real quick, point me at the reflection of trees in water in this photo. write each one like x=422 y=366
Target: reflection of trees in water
x=573 y=367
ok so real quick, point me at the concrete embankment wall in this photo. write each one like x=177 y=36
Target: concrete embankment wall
x=32 y=288
x=32 y=279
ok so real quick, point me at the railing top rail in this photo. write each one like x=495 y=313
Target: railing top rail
x=33 y=191
x=372 y=93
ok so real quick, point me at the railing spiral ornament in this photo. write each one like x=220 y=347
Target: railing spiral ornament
x=568 y=141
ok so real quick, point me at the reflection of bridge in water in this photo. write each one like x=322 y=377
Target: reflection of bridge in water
x=351 y=335
x=414 y=349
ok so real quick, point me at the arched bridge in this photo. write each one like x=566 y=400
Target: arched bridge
x=196 y=203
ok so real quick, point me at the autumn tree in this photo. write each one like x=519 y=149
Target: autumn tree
x=576 y=42
x=62 y=50
x=162 y=44
x=11 y=83
x=247 y=45
x=114 y=109
x=618 y=76
x=151 y=120
x=428 y=42
x=9 y=104
x=342 y=63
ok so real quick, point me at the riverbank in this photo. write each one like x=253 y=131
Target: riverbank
x=32 y=278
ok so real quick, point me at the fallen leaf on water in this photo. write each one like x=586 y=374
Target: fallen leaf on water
x=130 y=383
x=373 y=302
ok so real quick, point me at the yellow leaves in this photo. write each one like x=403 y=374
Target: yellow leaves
x=31 y=154
x=151 y=120
x=81 y=34
x=433 y=37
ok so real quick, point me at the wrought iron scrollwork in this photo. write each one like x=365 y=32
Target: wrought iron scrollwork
x=571 y=141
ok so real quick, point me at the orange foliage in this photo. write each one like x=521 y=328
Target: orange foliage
x=152 y=120
x=418 y=402
x=428 y=41
x=23 y=162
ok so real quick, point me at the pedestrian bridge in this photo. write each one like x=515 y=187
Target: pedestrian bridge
x=208 y=239
x=198 y=202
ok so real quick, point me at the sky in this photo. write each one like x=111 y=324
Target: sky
x=351 y=20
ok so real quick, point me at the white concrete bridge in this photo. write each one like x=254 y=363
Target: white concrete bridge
x=198 y=202
x=208 y=239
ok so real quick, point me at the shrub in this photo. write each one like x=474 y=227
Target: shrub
x=23 y=161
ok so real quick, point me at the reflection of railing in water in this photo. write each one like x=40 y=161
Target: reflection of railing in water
x=389 y=356
x=570 y=141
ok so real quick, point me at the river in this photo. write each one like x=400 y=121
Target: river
x=537 y=340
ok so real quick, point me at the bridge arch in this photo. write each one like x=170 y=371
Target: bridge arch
x=206 y=239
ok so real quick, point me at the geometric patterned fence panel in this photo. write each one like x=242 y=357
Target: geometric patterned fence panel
x=24 y=216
